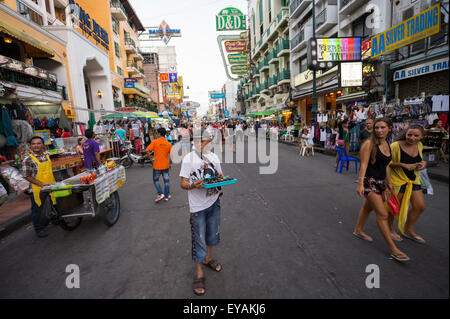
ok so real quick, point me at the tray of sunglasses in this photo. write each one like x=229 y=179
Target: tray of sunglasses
x=211 y=182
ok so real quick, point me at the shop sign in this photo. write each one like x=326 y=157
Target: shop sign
x=238 y=58
x=236 y=46
x=18 y=66
x=173 y=95
x=416 y=28
x=88 y=25
x=421 y=69
x=164 y=32
x=338 y=49
x=239 y=69
x=351 y=74
x=164 y=77
x=215 y=96
x=129 y=83
x=173 y=77
x=230 y=19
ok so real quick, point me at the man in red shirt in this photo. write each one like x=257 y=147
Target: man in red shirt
x=162 y=162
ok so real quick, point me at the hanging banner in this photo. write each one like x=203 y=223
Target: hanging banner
x=422 y=25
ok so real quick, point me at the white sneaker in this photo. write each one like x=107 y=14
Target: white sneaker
x=159 y=198
x=167 y=198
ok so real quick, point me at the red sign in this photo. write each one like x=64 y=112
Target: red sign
x=236 y=46
x=164 y=77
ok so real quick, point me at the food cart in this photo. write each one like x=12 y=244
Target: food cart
x=86 y=194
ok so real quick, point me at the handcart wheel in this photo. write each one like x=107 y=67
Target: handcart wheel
x=70 y=223
x=110 y=209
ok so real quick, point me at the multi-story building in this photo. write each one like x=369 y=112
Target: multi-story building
x=231 y=96
x=333 y=18
x=126 y=58
x=34 y=63
x=167 y=64
x=364 y=19
x=151 y=79
x=430 y=56
x=267 y=87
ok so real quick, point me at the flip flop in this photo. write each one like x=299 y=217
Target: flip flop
x=198 y=284
x=416 y=238
x=362 y=237
x=401 y=259
x=399 y=238
x=213 y=265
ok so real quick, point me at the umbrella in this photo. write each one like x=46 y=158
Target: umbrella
x=113 y=116
x=146 y=114
x=91 y=120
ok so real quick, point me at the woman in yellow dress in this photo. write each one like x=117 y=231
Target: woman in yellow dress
x=407 y=162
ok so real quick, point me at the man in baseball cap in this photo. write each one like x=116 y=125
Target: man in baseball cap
x=204 y=205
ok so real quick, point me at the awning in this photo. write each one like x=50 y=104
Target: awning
x=35 y=48
x=352 y=97
x=135 y=92
x=330 y=86
x=262 y=113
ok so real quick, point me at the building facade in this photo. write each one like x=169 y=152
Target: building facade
x=268 y=85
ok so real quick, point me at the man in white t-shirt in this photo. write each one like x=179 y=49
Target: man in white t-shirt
x=204 y=205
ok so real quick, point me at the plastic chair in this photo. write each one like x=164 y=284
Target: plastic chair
x=304 y=148
x=344 y=158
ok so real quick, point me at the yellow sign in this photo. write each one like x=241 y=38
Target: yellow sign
x=420 y=26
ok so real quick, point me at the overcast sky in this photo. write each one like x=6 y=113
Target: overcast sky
x=198 y=56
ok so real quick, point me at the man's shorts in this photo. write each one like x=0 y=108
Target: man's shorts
x=205 y=226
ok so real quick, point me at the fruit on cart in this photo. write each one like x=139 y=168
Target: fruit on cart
x=110 y=165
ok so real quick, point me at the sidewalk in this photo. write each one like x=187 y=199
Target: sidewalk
x=14 y=214
x=439 y=172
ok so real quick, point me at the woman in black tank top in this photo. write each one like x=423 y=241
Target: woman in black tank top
x=374 y=178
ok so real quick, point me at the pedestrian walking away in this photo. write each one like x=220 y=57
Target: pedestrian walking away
x=374 y=179
x=204 y=205
x=162 y=163
x=407 y=162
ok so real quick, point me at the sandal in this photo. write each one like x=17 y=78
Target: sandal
x=213 y=264
x=401 y=257
x=415 y=238
x=199 y=283
x=396 y=237
x=366 y=238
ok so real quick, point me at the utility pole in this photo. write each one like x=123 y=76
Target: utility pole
x=314 y=98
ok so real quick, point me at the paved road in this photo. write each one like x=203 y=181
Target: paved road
x=287 y=235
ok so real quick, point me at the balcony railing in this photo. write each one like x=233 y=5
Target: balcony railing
x=281 y=14
x=298 y=39
x=321 y=18
x=118 y=10
x=283 y=45
x=284 y=75
x=273 y=80
x=295 y=5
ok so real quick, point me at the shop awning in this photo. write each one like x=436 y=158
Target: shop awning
x=360 y=96
x=35 y=48
x=262 y=113
x=135 y=92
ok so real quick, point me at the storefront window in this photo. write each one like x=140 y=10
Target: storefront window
x=117 y=49
x=29 y=13
x=115 y=25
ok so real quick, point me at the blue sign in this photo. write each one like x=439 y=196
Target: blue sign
x=421 y=69
x=129 y=85
x=226 y=113
x=215 y=96
x=173 y=77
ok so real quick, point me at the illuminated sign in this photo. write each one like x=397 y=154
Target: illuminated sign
x=351 y=74
x=164 y=77
x=173 y=95
x=88 y=25
x=338 y=49
x=173 y=77
x=230 y=19
x=411 y=30
x=164 y=32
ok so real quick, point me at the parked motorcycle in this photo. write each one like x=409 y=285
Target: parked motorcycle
x=131 y=157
